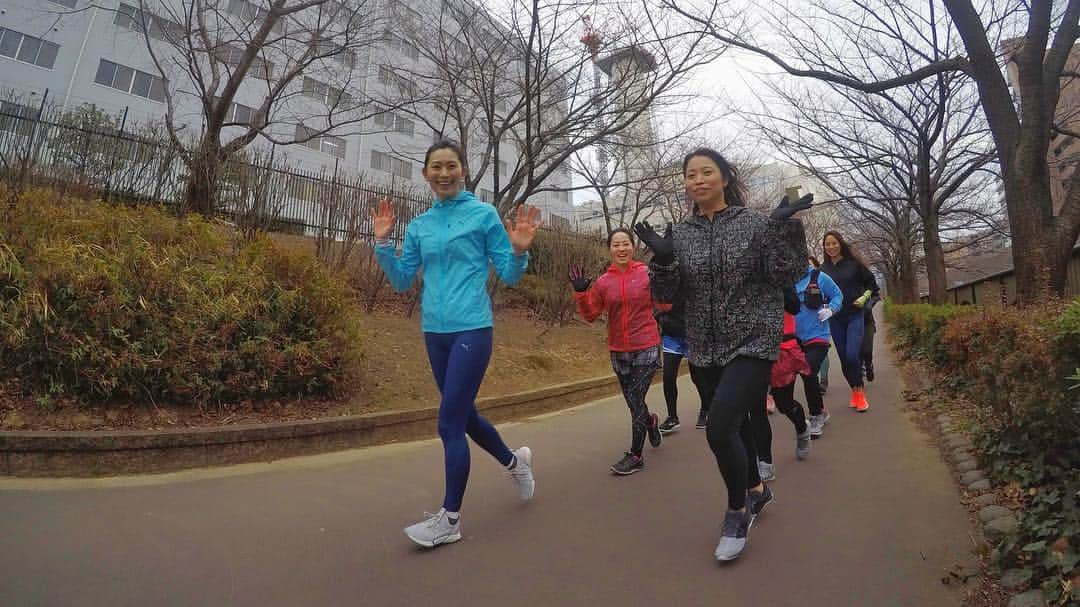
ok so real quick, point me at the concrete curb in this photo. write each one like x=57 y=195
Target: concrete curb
x=90 y=454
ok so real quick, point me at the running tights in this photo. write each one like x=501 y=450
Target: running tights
x=635 y=371
x=458 y=361
x=785 y=403
x=735 y=389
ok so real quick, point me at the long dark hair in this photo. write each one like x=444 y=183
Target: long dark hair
x=734 y=191
x=846 y=250
x=447 y=144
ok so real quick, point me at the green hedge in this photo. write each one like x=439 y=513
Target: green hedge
x=1019 y=367
x=102 y=301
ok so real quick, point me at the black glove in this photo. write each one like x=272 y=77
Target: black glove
x=578 y=279
x=663 y=247
x=786 y=209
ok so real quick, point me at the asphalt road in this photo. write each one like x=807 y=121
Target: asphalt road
x=872 y=518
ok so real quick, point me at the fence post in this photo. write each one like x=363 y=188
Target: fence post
x=112 y=156
x=31 y=141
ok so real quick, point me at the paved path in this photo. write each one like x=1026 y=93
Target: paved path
x=871 y=519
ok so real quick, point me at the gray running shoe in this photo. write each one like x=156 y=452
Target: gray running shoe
x=702 y=420
x=669 y=425
x=756 y=502
x=628 y=465
x=817 y=426
x=767 y=472
x=802 y=445
x=434 y=530
x=653 y=430
x=522 y=474
x=733 y=535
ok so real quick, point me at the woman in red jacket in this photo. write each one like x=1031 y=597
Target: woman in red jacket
x=623 y=294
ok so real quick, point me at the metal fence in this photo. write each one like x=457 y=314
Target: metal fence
x=90 y=151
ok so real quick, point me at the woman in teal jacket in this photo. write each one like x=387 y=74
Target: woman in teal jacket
x=456 y=241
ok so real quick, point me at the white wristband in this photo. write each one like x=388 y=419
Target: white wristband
x=384 y=242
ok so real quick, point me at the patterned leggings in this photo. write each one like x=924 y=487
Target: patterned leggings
x=635 y=371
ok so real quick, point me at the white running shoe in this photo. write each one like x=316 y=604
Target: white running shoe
x=522 y=474
x=817 y=426
x=435 y=529
x=767 y=472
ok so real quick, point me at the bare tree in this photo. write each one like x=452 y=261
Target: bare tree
x=231 y=71
x=1034 y=39
x=516 y=88
x=929 y=133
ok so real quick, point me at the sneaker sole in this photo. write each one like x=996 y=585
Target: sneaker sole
x=670 y=430
x=450 y=539
x=617 y=473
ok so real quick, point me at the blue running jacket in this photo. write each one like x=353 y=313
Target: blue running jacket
x=455 y=241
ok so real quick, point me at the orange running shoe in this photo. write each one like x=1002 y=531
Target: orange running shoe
x=861 y=405
x=854 y=398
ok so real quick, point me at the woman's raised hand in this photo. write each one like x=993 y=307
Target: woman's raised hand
x=523 y=229
x=578 y=279
x=382 y=218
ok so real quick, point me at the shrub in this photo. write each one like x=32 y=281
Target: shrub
x=107 y=302
x=544 y=289
x=1016 y=364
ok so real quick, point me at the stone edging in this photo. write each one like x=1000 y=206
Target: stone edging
x=89 y=454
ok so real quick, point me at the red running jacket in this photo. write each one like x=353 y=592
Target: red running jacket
x=627 y=300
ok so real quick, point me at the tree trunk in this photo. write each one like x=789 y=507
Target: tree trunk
x=202 y=181
x=1039 y=259
x=907 y=286
x=935 y=258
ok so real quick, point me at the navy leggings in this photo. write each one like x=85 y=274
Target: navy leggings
x=458 y=361
x=847 y=334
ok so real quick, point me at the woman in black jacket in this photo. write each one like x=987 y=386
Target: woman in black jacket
x=730 y=266
x=673 y=330
x=860 y=290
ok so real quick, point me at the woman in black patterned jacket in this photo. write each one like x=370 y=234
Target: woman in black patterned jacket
x=730 y=265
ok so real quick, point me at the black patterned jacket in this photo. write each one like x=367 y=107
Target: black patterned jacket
x=732 y=272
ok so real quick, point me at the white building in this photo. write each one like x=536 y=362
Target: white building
x=82 y=52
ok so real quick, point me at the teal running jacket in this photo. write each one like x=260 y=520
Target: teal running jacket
x=455 y=241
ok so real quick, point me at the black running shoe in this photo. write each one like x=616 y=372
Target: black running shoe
x=629 y=464
x=757 y=502
x=702 y=419
x=669 y=425
x=655 y=436
x=869 y=371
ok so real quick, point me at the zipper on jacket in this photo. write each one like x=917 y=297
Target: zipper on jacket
x=626 y=313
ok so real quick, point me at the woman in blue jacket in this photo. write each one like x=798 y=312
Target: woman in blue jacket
x=820 y=298
x=456 y=241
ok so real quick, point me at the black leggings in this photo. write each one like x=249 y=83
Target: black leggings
x=736 y=389
x=671 y=379
x=867 y=350
x=815 y=355
x=785 y=402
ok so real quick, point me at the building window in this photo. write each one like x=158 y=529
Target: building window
x=381 y=161
x=232 y=55
x=252 y=14
x=402 y=46
x=331 y=96
x=327 y=144
x=27 y=49
x=328 y=50
x=503 y=168
x=396 y=11
x=389 y=78
x=239 y=114
x=130 y=80
x=395 y=122
x=134 y=19
x=487 y=195
x=16 y=118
